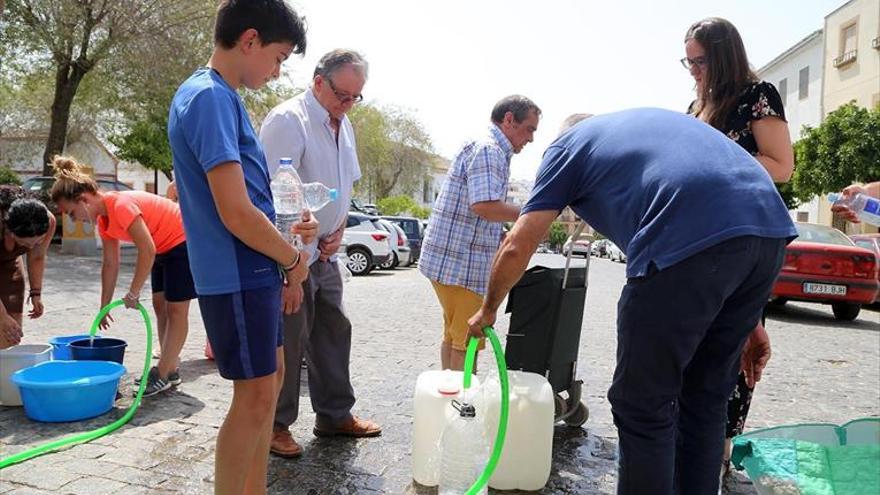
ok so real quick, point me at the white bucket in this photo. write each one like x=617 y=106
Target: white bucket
x=15 y=358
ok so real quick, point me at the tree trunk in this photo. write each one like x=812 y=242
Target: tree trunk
x=67 y=79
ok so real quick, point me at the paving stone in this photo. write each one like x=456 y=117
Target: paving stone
x=822 y=370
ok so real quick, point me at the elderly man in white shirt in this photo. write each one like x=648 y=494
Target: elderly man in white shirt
x=313 y=130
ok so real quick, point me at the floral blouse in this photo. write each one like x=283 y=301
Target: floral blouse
x=758 y=100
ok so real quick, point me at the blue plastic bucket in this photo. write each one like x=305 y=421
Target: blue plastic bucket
x=61 y=346
x=59 y=391
x=102 y=349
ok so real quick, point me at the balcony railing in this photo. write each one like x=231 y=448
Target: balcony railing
x=845 y=58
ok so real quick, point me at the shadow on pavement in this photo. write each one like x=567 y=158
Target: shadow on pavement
x=821 y=316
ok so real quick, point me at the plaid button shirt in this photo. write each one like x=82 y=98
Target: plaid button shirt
x=459 y=245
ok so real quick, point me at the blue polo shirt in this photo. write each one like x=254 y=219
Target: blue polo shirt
x=207 y=126
x=661 y=185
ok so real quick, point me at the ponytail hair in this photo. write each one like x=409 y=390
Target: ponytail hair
x=70 y=180
x=21 y=214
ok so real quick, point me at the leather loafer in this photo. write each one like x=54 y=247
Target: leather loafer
x=354 y=428
x=283 y=445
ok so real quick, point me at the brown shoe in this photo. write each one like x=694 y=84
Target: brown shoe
x=283 y=445
x=354 y=427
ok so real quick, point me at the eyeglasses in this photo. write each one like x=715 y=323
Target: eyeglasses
x=342 y=97
x=688 y=63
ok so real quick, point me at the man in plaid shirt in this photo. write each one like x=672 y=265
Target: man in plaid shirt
x=465 y=226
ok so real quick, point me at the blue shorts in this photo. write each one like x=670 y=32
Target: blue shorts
x=244 y=329
x=171 y=275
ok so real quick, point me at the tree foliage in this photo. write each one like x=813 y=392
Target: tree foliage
x=394 y=151
x=402 y=205
x=557 y=235
x=7 y=176
x=844 y=149
x=61 y=42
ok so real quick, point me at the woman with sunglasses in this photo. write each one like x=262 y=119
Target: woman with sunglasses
x=732 y=99
x=26 y=229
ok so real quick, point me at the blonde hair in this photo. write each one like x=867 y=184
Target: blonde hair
x=70 y=180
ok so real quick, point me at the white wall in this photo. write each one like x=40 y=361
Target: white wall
x=138 y=177
x=800 y=112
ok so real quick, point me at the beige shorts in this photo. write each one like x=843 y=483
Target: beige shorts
x=459 y=304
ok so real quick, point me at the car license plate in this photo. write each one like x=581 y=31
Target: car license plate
x=825 y=289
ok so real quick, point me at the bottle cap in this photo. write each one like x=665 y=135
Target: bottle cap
x=333 y=194
x=286 y=161
x=833 y=197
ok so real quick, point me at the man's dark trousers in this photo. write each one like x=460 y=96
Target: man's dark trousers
x=680 y=335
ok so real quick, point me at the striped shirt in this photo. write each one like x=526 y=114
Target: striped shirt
x=459 y=245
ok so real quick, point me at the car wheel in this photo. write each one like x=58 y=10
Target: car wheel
x=390 y=263
x=359 y=261
x=846 y=311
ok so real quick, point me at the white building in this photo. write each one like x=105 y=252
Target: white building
x=797 y=74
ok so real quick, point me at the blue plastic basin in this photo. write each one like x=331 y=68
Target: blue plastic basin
x=58 y=391
x=102 y=349
x=61 y=346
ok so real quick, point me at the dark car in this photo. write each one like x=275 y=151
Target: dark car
x=40 y=186
x=414 y=230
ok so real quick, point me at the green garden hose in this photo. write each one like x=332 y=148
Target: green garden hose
x=469 y=359
x=98 y=432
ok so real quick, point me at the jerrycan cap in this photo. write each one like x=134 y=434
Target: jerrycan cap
x=449 y=386
x=465 y=410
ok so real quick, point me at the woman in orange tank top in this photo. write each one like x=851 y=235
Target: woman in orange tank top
x=154 y=225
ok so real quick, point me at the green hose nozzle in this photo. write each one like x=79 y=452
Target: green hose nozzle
x=498 y=447
x=98 y=432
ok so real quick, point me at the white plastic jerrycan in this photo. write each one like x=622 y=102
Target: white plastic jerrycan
x=433 y=395
x=528 y=447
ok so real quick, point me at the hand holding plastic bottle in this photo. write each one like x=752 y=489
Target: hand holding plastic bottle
x=307 y=229
x=857 y=203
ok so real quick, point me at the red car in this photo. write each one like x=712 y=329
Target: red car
x=823 y=265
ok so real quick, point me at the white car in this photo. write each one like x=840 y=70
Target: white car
x=581 y=247
x=615 y=253
x=368 y=243
x=400 y=251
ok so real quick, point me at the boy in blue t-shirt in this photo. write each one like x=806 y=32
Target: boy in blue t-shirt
x=704 y=234
x=234 y=249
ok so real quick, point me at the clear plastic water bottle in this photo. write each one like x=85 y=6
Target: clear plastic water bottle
x=317 y=195
x=287 y=193
x=865 y=207
x=464 y=451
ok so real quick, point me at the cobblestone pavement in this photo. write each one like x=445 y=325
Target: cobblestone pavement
x=822 y=370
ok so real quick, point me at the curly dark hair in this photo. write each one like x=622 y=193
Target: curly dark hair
x=22 y=214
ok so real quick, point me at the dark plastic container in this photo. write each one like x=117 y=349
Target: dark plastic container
x=103 y=349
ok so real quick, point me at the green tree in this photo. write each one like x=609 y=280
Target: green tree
x=146 y=142
x=557 y=235
x=844 y=149
x=7 y=176
x=66 y=40
x=394 y=151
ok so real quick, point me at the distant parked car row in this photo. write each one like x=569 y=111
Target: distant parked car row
x=381 y=242
x=601 y=248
